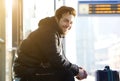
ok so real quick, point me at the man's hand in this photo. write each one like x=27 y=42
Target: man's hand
x=82 y=74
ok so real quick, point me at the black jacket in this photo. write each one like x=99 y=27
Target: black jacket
x=43 y=49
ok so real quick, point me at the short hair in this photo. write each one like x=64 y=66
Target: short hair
x=64 y=9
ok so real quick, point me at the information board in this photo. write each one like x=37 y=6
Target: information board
x=99 y=7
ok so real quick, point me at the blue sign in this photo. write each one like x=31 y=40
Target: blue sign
x=98 y=7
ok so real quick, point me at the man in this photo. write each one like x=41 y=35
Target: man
x=41 y=55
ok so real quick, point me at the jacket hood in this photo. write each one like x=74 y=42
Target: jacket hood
x=49 y=22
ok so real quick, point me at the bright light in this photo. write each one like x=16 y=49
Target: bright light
x=8 y=5
x=8 y=8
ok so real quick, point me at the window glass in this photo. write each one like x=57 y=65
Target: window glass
x=33 y=12
x=97 y=43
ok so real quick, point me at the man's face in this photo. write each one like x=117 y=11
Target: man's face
x=65 y=22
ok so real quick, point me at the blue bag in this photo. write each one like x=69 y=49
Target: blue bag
x=107 y=75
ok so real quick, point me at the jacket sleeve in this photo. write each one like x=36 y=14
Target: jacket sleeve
x=51 y=49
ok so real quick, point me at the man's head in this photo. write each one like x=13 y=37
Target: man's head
x=65 y=17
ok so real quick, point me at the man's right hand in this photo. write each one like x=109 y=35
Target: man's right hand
x=82 y=74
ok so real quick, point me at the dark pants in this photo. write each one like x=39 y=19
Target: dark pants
x=58 y=76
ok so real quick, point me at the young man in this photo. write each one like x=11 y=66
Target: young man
x=41 y=55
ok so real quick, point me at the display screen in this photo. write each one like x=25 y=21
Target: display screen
x=99 y=7
x=104 y=8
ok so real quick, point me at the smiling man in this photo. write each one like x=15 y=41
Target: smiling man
x=41 y=57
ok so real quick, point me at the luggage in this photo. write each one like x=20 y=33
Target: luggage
x=107 y=75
